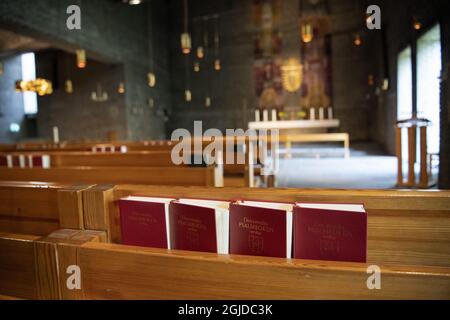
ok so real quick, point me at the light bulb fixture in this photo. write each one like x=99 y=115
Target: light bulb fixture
x=40 y=86
x=217 y=65
x=200 y=52
x=307 y=32
x=132 y=2
x=151 y=79
x=68 y=86
x=187 y=95
x=417 y=25
x=196 y=66
x=186 y=43
x=99 y=95
x=81 y=58
x=357 y=40
x=371 y=80
x=121 y=88
x=207 y=102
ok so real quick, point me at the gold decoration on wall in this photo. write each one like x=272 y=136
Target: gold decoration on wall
x=68 y=86
x=292 y=75
x=41 y=86
x=81 y=58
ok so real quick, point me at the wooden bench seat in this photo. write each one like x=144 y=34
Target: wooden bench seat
x=408 y=238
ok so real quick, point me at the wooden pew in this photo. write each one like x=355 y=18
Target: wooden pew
x=409 y=236
x=201 y=176
x=39 y=208
x=29 y=265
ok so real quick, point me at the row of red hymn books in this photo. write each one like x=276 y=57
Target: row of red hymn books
x=25 y=161
x=317 y=231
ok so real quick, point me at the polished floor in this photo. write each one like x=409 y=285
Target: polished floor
x=324 y=166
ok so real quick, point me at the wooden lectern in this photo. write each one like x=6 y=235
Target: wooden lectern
x=415 y=128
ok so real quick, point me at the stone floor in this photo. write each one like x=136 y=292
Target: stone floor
x=324 y=166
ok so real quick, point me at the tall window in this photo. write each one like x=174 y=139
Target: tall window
x=29 y=73
x=429 y=64
x=404 y=92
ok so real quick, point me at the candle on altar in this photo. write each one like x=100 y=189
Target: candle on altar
x=274 y=115
x=265 y=115
x=55 y=135
x=312 y=114
x=257 y=115
x=330 y=113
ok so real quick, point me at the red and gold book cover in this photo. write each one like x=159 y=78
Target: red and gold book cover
x=192 y=228
x=37 y=161
x=3 y=161
x=257 y=231
x=143 y=223
x=322 y=234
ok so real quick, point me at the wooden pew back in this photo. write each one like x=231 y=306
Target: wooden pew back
x=404 y=227
x=205 y=176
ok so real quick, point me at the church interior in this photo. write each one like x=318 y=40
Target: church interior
x=226 y=149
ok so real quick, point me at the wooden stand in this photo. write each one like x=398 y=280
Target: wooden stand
x=414 y=127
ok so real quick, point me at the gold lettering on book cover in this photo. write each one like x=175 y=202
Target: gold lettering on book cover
x=329 y=235
x=145 y=219
x=255 y=228
x=193 y=226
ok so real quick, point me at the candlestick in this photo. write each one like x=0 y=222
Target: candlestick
x=330 y=113
x=265 y=115
x=312 y=114
x=257 y=115
x=55 y=135
x=321 y=113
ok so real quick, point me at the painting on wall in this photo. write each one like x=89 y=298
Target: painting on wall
x=317 y=68
x=267 y=48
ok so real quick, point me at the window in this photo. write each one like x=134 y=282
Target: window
x=429 y=64
x=404 y=93
x=404 y=87
x=29 y=73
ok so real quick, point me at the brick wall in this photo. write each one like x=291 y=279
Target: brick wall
x=232 y=90
x=111 y=32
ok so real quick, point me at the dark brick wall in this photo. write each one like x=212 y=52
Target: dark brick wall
x=111 y=32
x=76 y=115
x=232 y=90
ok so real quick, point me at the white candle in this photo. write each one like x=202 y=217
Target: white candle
x=321 y=113
x=330 y=113
x=55 y=135
x=312 y=114
x=274 y=115
x=265 y=115
x=257 y=116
